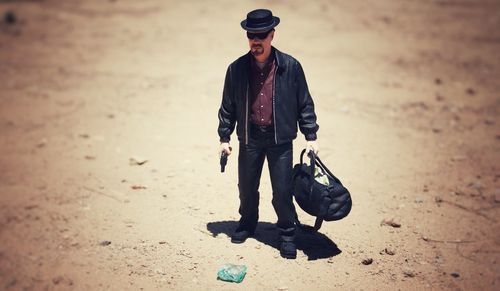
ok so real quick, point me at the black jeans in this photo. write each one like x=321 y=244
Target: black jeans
x=251 y=157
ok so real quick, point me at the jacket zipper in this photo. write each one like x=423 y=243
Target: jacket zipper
x=246 y=118
x=274 y=106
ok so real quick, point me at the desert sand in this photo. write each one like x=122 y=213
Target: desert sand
x=109 y=174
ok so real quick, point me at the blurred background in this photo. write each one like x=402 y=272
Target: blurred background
x=109 y=174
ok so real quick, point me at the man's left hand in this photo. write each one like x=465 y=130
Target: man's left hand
x=312 y=145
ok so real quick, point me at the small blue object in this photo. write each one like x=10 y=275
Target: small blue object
x=232 y=273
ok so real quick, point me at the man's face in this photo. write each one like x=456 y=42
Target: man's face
x=259 y=42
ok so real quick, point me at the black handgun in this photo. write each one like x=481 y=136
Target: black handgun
x=223 y=160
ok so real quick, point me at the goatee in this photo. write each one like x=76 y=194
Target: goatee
x=257 y=50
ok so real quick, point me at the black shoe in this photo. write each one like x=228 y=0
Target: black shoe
x=288 y=250
x=240 y=236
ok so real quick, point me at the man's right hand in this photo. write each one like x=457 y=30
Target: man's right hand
x=224 y=147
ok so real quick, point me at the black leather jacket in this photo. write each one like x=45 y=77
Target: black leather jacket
x=292 y=102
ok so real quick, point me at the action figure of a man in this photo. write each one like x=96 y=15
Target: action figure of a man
x=265 y=96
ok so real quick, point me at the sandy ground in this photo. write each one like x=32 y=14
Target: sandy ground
x=407 y=97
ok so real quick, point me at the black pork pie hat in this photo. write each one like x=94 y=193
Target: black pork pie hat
x=260 y=20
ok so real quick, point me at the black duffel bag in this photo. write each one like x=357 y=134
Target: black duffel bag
x=326 y=202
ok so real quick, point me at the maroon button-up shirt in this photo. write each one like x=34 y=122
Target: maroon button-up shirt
x=261 y=90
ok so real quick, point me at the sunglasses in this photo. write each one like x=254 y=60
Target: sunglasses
x=261 y=35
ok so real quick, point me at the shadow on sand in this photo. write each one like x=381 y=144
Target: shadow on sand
x=314 y=244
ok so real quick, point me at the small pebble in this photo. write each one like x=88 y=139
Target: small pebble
x=391 y=222
x=471 y=91
x=57 y=280
x=9 y=17
x=389 y=252
x=409 y=273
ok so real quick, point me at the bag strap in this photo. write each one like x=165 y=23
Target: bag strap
x=302 y=156
x=318 y=223
x=312 y=163
x=312 y=160
x=307 y=228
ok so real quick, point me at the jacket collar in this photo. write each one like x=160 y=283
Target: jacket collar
x=278 y=56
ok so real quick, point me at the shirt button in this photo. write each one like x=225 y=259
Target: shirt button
x=261 y=74
x=262 y=119
x=261 y=93
x=262 y=106
x=261 y=83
